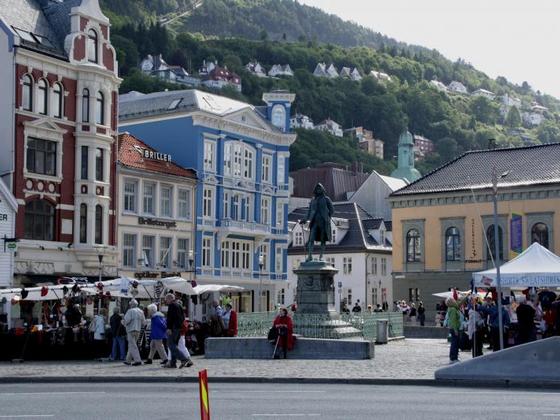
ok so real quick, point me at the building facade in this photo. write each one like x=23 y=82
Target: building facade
x=361 y=251
x=156 y=213
x=443 y=227
x=241 y=156
x=60 y=83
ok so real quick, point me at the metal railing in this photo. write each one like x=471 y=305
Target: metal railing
x=257 y=324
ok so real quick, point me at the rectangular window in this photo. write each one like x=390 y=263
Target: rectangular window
x=374 y=266
x=266 y=169
x=207 y=203
x=298 y=238
x=148 y=251
x=235 y=255
x=129 y=250
x=99 y=155
x=130 y=196
x=98 y=224
x=374 y=296
x=209 y=156
x=248 y=164
x=246 y=255
x=236 y=160
x=183 y=253
x=281 y=171
x=265 y=260
x=246 y=210
x=184 y=204
x=225 y=254
x=265 y=210
x=279 y=260
x=85 y=162
x=166 y=200
x=347 y=265
x=41 y=156
x=280 y=215
x=226 y=205
x=83 y=223
x=330 y=260
x=227 y=159
x=165 y=252
x=149 y=193
x=206 y=252
x=383 y=266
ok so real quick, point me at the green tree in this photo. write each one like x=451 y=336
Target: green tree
x=513 y=118
x=484 y=110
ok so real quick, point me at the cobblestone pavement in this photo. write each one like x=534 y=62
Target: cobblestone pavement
x=403 y=359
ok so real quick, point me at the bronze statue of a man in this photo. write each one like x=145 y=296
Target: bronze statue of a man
x=319 y=217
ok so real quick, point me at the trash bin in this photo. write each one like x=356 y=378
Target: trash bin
x=382 y=331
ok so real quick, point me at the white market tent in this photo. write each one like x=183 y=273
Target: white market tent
x=54 y=292
x=534 y=267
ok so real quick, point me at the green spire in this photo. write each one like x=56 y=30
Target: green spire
x=406 y=169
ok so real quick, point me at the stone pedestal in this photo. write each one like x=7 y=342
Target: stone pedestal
x=316 y=315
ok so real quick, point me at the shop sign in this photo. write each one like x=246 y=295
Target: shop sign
x=3 y=217
x=155 y=274
x=155 y=222
x=153 y=155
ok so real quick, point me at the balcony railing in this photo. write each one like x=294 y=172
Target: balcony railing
x=246 y=226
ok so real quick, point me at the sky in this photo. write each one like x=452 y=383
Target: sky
x=511 y=38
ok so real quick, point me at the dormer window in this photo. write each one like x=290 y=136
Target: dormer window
x=92 y=47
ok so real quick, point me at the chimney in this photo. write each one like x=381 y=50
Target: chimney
x=491 y=144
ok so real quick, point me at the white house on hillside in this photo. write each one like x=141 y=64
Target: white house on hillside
x=485 y=93
x=331 y=127
x=301 y=121
x=278 y=70
x=438 y=85
x=457 y=87
x=255 y=68
x=380 y=76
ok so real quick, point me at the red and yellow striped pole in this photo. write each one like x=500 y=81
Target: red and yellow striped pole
x=204 y=397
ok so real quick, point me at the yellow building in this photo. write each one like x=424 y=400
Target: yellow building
x=443 y=223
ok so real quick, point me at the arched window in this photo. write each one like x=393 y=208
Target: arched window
x=42 y=96
x=539 y=233
x=413 y=246
x=99 y=108
x=83 y=223
x=27 y=93
x=93 y=47
x=98 y=224
x=57 y=100
x=452 y=244
x=491 y=242
x=39 y=220
x=85 y=105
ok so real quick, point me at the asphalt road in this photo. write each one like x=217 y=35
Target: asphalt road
x=272 y=401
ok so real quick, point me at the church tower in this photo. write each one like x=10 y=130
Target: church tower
x=406 y=169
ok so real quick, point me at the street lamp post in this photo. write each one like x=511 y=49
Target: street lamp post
x=495 y=179
x=192 y=270
x=261 y=265
x=100 y=258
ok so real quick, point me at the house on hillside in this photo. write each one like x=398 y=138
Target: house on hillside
x=301 y=121
x=330 y=126
x=438 y=85
x=216 y=77
x=484 y=93
x=352 y=74
x=380 y=76
x=279 y=70
x=366 y=141
x=422 y=147
x=320 y=70
x=155 y=66
x=332 y=72
x=457 y=87
x=254 y=67
x=535 y=116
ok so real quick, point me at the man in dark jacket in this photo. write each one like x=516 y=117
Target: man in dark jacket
x=526 y=323
x=175 y=319
x=118 y=332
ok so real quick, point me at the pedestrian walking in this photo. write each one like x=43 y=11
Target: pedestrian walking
x=284 y=333
x=118 y=331
x=454 y=323
x=175 y=320
x=230 y=321
x=526 y=322
x=475 y=328
x=357 y=308
x=421 y=314
x=158 y=328
x=133 y=321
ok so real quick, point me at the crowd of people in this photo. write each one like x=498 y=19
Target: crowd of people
x=474 y=321
x=412 y=312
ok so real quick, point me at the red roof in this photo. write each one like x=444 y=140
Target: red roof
x=132 y=154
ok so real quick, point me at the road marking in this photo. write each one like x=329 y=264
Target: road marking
x=26 y=416
x=272 y=392
x=288 y=415
x=51 y=393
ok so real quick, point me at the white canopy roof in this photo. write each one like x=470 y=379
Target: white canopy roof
x=54 y=292
x=207 y=288
x=534 y=267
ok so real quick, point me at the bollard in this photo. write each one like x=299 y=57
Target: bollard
x=204 y=397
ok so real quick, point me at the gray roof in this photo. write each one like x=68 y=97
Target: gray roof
x=51 y=21
x=135 y=105
x=532 y=165
x=356 y=238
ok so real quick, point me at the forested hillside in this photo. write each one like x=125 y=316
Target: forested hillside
x=454 y=122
